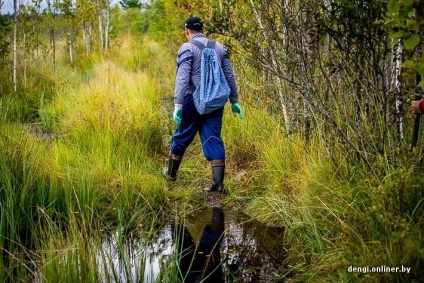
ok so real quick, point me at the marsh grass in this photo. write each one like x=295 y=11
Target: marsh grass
x=98 y=170
x=334 y=216
x=93 y=170
x=23 y=105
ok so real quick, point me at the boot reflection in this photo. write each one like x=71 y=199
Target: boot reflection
x=201 y=263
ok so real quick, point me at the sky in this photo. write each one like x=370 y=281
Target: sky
x=8 y=5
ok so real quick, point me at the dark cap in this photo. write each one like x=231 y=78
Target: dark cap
x=194 y=23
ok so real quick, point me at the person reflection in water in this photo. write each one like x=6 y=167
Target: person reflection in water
x=202 y=263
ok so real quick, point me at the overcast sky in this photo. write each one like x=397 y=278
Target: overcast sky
x=8 y=5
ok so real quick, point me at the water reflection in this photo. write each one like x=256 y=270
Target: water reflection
x=207 y=247
x=202 y=262
x=131 y=258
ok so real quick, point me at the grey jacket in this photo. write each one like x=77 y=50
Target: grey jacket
x=188 y=67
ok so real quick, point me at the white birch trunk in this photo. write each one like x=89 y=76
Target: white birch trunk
x=107 y=30
x=274 y=66
x=86 y=34
x=52 y=34
x=15 y=46
x=37 y=48
x=70 y=42
x=397 y=84
x=25 y=61
x=100 y=11
x=84 y=39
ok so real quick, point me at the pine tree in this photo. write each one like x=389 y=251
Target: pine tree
x=127 y=4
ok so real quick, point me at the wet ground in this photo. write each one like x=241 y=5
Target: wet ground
x=213 y=245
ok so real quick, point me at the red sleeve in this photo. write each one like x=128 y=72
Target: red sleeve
x=422 y=106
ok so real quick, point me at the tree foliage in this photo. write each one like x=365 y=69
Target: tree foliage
x=5 y=32
x=127 y=4
x=326 y=70
x=329 y=61
x=316 y=53
x=405 y=20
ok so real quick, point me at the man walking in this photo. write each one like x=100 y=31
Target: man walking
x=187 y=117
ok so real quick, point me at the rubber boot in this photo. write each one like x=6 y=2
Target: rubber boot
x=218 y=170
x=170 y=172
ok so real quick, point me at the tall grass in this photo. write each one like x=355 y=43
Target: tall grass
x=333 y=217
x=89 y=163
x=88 y=158
x=23 y=105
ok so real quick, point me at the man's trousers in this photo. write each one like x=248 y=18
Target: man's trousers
x=208 y=126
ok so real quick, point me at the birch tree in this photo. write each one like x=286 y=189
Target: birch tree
x=67 y=9
x=405 y=19
x=103 y=23
x=328 y=61
x=274 y=64
x=86 y=11
x=315 y=51
x=52 y=37
x=397 y=86
x=29 y=19
x=15 y=44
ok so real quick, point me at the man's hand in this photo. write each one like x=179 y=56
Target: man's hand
x=177 y=113
x=415 y=107
x=236 y=109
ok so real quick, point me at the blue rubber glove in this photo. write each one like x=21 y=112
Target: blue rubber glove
x=177 y=115
x=236 y=109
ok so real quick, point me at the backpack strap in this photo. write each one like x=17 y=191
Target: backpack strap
x=201 y=46
x=198 y=44
x=211 y=44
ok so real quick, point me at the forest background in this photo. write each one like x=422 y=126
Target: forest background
x=328 y=149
